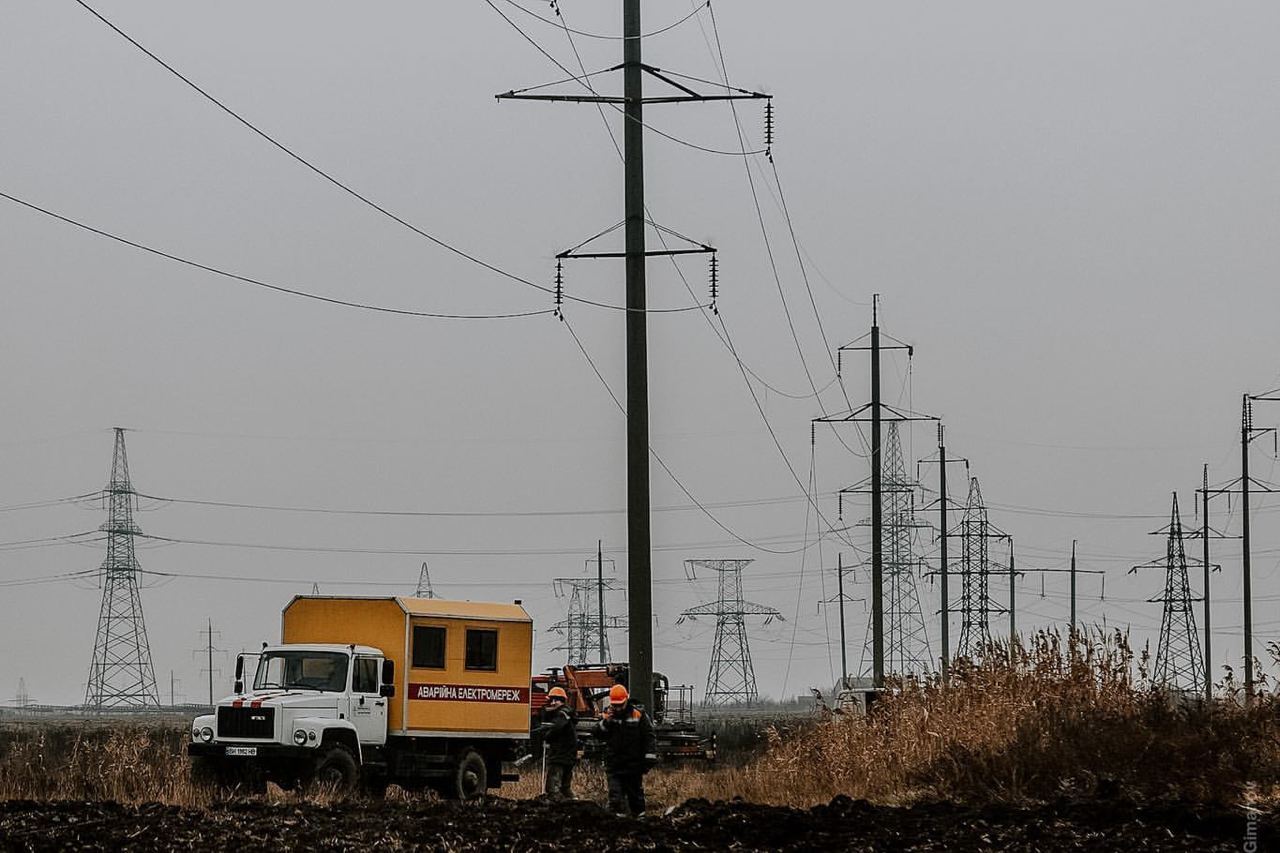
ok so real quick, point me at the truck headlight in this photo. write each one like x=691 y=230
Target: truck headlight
x=300 y=737
x=206 y=734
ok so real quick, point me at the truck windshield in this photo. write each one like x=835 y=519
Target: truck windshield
x=299 y=669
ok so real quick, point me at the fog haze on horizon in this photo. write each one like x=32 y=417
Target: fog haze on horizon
x=1071 y=214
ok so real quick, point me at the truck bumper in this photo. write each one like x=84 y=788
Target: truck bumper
x=263 y=752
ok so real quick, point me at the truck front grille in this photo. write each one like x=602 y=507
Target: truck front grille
x=247 y=723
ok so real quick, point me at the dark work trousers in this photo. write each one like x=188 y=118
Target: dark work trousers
x=559 y=781
x=626 y=792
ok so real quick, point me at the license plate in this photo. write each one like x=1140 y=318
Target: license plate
x=242 y=750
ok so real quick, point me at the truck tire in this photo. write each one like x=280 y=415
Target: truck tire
x=337 y=769
x=469 y=780
x=207 y=773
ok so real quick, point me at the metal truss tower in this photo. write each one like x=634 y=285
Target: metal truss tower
x=424 y=589
x=906 y=644
x=585 y=628
x=121 y=675
x=731 y=678
x=1179 y=660
x=976 y=605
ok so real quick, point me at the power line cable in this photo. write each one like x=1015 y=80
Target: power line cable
x=290 y=291
x=583 y=80
x=52 y=502
x=662 y=237
x=602 y=36
x=463 y=513
x=327 y=176
x=663 y=464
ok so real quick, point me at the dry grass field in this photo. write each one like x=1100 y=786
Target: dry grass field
x=1057 y=719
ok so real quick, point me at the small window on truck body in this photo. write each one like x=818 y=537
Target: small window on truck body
x=428 y=647
x=364 y=679
x=482 y=649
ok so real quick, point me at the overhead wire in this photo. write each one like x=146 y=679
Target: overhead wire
x=602 y=36
x=724 y=338
x=664 y=465
x=662 y=237
x=584 y=82
x=331 y=178
x=74 y=499
x=243 y=279
x=773 y=264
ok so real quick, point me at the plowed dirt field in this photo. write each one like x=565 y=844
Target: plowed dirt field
x=697 y=825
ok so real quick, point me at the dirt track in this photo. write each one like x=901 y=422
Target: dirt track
x=524 y=825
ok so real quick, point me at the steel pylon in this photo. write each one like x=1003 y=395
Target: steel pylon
x=976 y=605
x=585 y=637
x=424 y=589
x=731 y=677
x=906 y=642
x=1179 y=657
x=121 y=674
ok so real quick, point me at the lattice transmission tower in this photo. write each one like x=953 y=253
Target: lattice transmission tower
x=1179 y=658
x=731 y=678
x=121 y=674
x=906 y=643
x=586 y=625
x=424 y=589
x=976 y=566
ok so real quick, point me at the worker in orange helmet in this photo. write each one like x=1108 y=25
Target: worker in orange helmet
x=559 y=734
x=630 y=750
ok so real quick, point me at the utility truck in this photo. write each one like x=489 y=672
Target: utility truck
x=370 y=691
x=587 y=686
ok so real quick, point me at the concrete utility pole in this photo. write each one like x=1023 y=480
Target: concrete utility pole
x=600 y=599
x=1072 y=629
x=944 y=553
x=1206 y=533
x=1208 y=632
x=942 y=547
x=1248 y=433
x=877 y=508
x=639 y=552
x=1013 y=599
x=873 y=413
x=841 y=598
x=635 y=255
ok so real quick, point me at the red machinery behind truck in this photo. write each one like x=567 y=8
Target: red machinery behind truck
x=588 y=688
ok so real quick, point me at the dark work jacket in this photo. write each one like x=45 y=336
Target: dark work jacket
x=560 y=735
x=630 y=745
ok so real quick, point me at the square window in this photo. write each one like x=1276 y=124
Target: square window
x=482 y=649
x=428 y=647
x=364 y=679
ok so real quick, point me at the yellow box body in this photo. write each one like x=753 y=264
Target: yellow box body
x=442 y=701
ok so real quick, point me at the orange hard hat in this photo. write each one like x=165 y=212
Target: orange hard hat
x=618 y=694
x=558 y=693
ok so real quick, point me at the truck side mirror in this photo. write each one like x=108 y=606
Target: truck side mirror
x=239 y=685
x=388 y=688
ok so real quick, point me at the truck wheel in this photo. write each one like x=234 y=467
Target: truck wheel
x=375 y=787
x=470 y=778
x=207 y=773
x=337 y=770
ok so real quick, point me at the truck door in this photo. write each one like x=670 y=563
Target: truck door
x=368 y=709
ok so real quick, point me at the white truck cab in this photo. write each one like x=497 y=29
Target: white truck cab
x=312 y=712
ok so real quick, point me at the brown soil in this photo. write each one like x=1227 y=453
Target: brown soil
x=498 y=824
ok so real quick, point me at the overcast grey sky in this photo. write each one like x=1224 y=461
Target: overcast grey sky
x=1069 y=209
